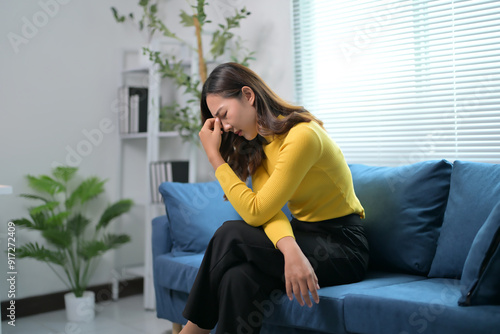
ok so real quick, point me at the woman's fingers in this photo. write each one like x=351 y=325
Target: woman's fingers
x=210 y=136
x=301 y=289
x=217 y=125
x=209 y=124
x=313 y=287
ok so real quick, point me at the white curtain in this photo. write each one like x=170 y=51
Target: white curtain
x=398 y=82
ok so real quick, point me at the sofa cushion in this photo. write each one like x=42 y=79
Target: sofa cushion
x=195 y=211
x=474 y=191
x=404 y=210
x=328 y=315
x=481 y=275
x=426 y=306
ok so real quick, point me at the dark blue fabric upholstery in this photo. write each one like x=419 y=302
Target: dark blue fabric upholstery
x=404 y=211
x=474 y=191
x=427 y=306
x=185 y=268
x=328 y=315
x=195 y=212
x=481 y=275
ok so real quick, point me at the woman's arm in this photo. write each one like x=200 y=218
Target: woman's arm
x=300 y=278
x=294 y=158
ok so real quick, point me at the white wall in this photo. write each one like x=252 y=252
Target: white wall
x=59 y=83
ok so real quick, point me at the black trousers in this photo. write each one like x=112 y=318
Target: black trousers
x=242 y=272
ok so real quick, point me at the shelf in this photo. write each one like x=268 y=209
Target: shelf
x=138 y=70
x=161 y=134
x=133 y=135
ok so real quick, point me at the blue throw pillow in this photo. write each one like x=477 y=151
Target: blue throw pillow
x=474 y=191
x=481 y=275
x=404 y=210
x=195 y=211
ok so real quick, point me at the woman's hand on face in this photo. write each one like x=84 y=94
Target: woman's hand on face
x=211 y=138
x=300 y=277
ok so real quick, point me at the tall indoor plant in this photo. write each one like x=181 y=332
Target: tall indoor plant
x=74 y=244
x=184 y=117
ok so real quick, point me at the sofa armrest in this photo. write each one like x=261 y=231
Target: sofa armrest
x=161 y=239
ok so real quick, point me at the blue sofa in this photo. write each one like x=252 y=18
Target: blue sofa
x=434 y=234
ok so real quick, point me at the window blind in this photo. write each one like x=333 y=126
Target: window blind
x=397 y=82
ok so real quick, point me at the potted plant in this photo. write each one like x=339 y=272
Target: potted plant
x=184 y=117
x=73 y=244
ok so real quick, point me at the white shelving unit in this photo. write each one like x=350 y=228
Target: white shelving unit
x=152 y=80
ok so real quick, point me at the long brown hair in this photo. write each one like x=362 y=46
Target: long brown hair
x=244 y=156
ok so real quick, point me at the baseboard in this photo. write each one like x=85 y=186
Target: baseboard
x=55 y=301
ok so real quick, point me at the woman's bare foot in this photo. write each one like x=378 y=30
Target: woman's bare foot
x=191 y=328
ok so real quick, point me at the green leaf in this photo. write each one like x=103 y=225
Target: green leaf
x=91 y=249
x=117 y=17
x=143 y=3
x=64 y=173
x=30 y=196
x=77 y=224
x=40 y=253
x=57 y=219
x=114 y=241
x=186 y=19
x=49 y=206
x=39 y=220
x=96 y=248
x=23 y=222
x=59 y=238
x=153 y=9
x=87 y=190
x=45 y=184
x=114 y=211
x=200 y=10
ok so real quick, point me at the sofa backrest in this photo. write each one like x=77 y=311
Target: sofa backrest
x=404 y=211
x=474 y=192
x=195 y=211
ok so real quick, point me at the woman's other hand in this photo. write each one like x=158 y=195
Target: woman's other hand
x=211 y=137
x=300 y=277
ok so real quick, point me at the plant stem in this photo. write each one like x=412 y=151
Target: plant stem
x=201 y=60
x=60 y=277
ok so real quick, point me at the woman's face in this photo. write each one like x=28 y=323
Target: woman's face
x=237 y=115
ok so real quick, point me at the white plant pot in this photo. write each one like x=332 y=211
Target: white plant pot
x=81 y=309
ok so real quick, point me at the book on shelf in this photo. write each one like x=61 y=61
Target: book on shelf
x=133 y=103
x=167 y=171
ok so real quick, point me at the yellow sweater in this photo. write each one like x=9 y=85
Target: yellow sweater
x=304 y=168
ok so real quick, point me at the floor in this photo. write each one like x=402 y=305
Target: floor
x=125 y=316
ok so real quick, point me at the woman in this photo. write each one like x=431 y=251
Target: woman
x=249 y=131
